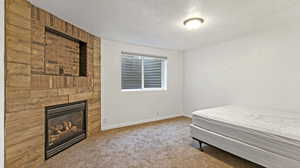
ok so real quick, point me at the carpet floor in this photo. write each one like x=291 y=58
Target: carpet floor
x=163 y=144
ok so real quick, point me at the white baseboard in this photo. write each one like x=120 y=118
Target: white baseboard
x=113 y=126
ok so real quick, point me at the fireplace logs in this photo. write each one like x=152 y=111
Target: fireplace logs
x=61 y=131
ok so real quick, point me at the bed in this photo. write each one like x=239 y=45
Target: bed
x=266 y=137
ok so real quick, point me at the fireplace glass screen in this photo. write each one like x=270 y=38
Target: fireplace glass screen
x=65 y=126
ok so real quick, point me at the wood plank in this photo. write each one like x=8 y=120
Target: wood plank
x=34 y=80
x=16 y=56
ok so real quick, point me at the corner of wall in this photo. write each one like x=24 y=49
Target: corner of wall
x=184 y=113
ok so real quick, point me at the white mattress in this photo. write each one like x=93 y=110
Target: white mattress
x=273 y=131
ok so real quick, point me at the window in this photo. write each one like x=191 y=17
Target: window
x=141 y=72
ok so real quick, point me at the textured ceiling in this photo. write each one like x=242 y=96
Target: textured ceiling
x=158 y=23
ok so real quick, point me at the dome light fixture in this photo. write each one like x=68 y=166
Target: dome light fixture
x=193 y=23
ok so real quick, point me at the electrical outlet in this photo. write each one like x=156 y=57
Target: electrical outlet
x=104 y=120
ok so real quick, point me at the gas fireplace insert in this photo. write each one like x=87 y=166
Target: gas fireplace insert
x=65 y=126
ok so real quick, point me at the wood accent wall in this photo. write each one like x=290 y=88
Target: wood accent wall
x=32 y=84
x=62 y=56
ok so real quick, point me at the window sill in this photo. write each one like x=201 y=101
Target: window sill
x=144 y=90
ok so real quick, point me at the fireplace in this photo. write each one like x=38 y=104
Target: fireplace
x=65 y=126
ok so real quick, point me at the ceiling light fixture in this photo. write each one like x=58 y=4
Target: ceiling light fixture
x=193 y=23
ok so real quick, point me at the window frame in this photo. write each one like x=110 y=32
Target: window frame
x=164 y=70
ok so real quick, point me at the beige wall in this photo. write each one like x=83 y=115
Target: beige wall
x=260 y=70
x=127 y=108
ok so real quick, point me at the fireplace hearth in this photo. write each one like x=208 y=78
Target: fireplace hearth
x=65 y=126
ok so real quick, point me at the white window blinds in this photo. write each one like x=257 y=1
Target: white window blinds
x=152 y=72
x=131 y=72
x=143 y=72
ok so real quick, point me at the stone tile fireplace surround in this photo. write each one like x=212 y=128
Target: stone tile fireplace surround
x=40 y=74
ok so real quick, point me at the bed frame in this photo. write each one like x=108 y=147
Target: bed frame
x=241 y=149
